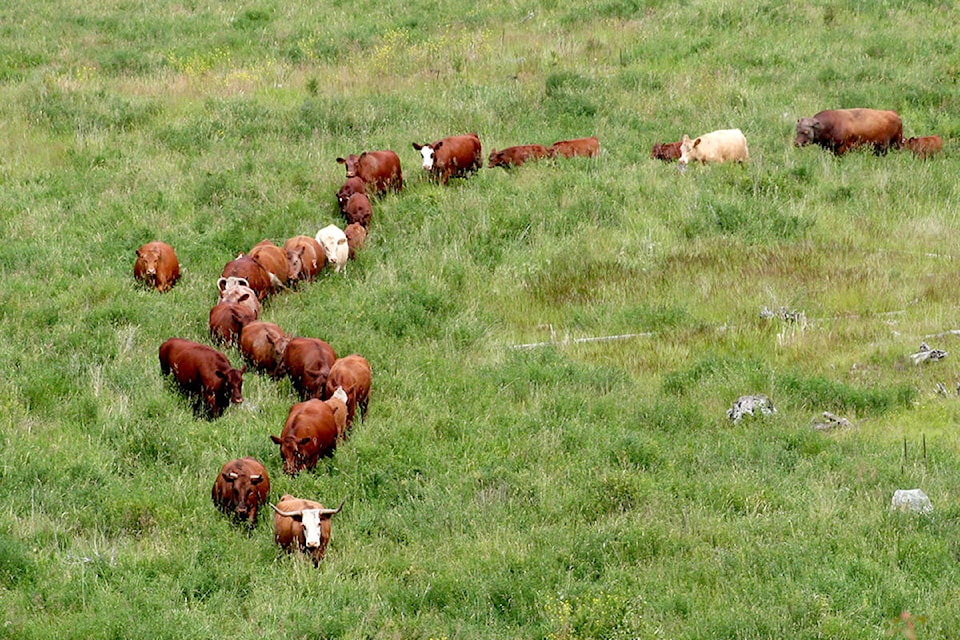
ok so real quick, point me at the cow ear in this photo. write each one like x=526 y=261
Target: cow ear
x=257 y=479
x=221 y=283
x=696 y=143
x=229 y=477
x=438 y=145
x=417 y=146
x=275 y=439
x=303 y=441
x=341 y=161
x=221 y=375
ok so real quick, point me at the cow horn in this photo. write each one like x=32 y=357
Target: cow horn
x=330 y=512
x=233 y=475
x=289 y=514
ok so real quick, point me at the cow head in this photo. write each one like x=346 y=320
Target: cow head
x=149 y=259
x=246 y=492
x=428 y=153
x=807 y=129
x=231 y=384
x=351 y=162
x=687 y=147
x=294 y=452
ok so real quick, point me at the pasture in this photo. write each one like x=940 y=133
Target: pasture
x=554 y=347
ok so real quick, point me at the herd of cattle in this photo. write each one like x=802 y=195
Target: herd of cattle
x=332 y=389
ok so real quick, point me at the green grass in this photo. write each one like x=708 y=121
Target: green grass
x=587 y=487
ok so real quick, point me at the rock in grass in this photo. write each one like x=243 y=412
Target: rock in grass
x=753 y=405
x=912 y=500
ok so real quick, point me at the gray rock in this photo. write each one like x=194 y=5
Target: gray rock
x=750 y=405
x=912 y=500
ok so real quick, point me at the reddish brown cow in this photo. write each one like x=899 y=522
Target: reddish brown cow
x=353 y=374
x=307 y=362
x=358 y=209
x=451 y=157
x=379 y=170
x=516 y=156
x=309 y=434
x=274 y=261
x=585 y=147
x=303 y=525
x=250 y=270
x=351 y=186
x=356 y=237
x=157 y=266
x=262 y=345
x=666 y=151
x=925 y=146
x=240 y=488
x=840 y=130
x=204 y=373
x=312 y=257
x=227 y=320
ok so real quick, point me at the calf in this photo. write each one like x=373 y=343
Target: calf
x=310 y=433
x=307 y=362
x=227 y=319
x=582 y=147
x=924 y=147
x=250 y=270
x=724 y=145
x=334 y=243
x=356 y=237
x=840 y=130
x=274 y=261
x=338 y=402
x=352 y=374
x=312 y=257
x=666 y=151
x=204 y=373
x=379 y=170
x=451 y=157
x=262 y=345
x=235 y=290
x=157 y=266
x=358 y=209
x=516 y=156
x=240 y=488
x=350 y=186
x=303 y=525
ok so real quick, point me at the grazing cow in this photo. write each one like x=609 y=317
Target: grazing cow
x=204 y=373
x=380 y=170
x=334 y=243
x=157 y=266
x=840 y=130
x=451 y=157
x=303 y=525
x=666 y=151
x=350 y=186
x=358 y=209
x=338 y=402
x=274 y=261
x=312 y=257
x=310 y=433
x=356 y=237
x=262 y=345
x=307 y=362
x=236 y=290
x=250 y=270
x=724 y=145
x=925 y=146
x=352 y=373
x=227 y=319
x=516 y=156
x=240 y=488
x=582 y=147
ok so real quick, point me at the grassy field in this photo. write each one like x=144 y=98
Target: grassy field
x=547 y=452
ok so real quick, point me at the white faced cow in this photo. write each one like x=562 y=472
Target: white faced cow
x=724 y=145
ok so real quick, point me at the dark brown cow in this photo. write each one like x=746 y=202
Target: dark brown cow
x=312 y=257
x=358 y=209
x=840 y=130
x=274 y=261
x=583 y=147
x=352 y=373
x=307 y=362
x=925 y=146
x=451 y=157
x=309 y=434
x=240 y=488
x=666 y=151
x=204 y=373
x=227 y=320
x=157 y=266
x=250 y=270
x=516 y=156
x=303 y=525
x=350 y=186
x=380 y=170
x=262 y=345
x=356 y=237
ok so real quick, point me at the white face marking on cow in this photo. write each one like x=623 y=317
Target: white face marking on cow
x=428 y=156
x=340 y=395
x=311 y=527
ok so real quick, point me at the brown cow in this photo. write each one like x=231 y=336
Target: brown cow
x=350 y=186
x=227 y=320
x=925 y=146
x=204 y=373
x=236 y=290
x=352 y=373
x=250 y=270
x=240 y=488
x=666 y=151
x=356 y=237
x=358 y=209
x=584 y=147
x=307 y=362
x=840 y=130
x=309 y=433
x=378 y=169
x=312 y=257
x=451 y=157
x=274 y=261
x=338 y=402
x=303 y=525
x=516 y=156
x=262 y=345
x=157 y=266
